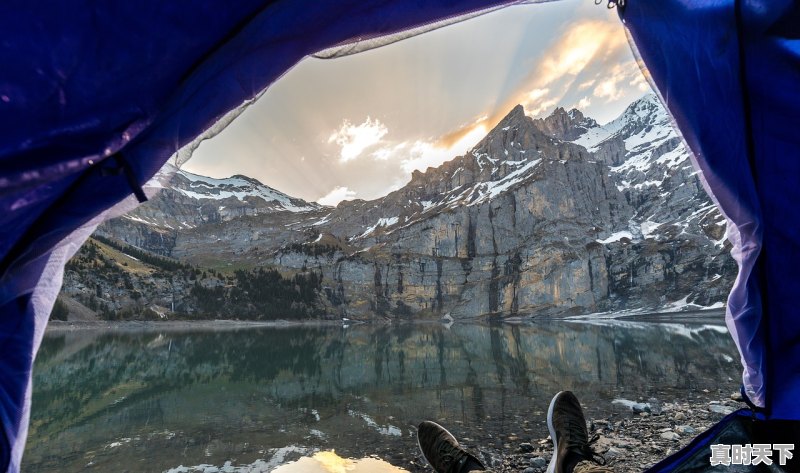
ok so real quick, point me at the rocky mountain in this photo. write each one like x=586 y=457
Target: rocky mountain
x=549 y=216
x=192 y=200
x=197 y=209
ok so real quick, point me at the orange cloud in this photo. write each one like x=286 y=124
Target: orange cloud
x=452 y=138
x=585 y=45
x=590 y=44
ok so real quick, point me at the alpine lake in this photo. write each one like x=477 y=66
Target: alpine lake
x=344 y=397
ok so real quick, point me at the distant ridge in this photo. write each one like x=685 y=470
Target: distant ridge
x=551 y=216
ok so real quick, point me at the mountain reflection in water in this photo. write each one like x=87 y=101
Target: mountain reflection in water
x=153 y=401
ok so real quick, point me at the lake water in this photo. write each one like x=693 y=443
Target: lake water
x=252 y=399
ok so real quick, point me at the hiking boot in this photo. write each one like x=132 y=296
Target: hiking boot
x=442 y=451
x=568 y=430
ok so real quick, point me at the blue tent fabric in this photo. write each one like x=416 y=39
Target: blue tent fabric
x=90 y=81
x=731 y=430
x=96 y=96
x=737 y=428
x=729 y=72
x=83 y=82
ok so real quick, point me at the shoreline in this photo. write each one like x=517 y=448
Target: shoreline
x=636 y=443
x=181 y=325
x=514 y=441
x=628 y=444
x=698 y=316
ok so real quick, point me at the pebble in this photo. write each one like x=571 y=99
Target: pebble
x=656 y=408
x=538 y=462
x=670 y=436
x=612 y=453
x=525 y=447
x=627 y=442
x=720 y=409
x=684 y=429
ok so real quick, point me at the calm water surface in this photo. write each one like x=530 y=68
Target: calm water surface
x=252 y=399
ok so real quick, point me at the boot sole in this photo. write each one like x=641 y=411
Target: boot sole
x=551 y=467
x=453 y=437
x=423 y=451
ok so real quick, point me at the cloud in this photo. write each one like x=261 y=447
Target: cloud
x=540 y=106
x=583 y=48
x=591 y=55
x=354 y=139
x=419 y=154
x=338 y=194
x=538 y=100
x=385 y=153
x=607 y=90
x=577 y=61
x=462 y=133
x=578 y=46
x=537 y=94
x=618 y=80
x=424 y=154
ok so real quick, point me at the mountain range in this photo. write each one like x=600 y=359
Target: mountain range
x=551 y=216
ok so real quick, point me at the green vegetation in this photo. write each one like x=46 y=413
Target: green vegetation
x=60 y=311
x=161 y=262
x=104 y=278
x=313 y=250
x=262 y=294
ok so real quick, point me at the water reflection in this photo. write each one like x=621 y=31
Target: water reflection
x=330 y=462
x=153 y=401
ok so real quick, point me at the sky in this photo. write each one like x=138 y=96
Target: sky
x=357 y=126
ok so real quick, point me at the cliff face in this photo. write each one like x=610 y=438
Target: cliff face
x=528 y=223
x=549 y=216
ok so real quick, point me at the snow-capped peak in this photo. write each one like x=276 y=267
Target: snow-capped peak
x=239 y=187
x=643 y=121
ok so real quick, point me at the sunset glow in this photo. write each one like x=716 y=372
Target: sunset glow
x=358 y=126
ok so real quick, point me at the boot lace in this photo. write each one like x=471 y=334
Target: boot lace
x=577 y=432
x=449 y=456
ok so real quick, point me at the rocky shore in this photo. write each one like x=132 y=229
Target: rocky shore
x=653 y=431
x=59 y=326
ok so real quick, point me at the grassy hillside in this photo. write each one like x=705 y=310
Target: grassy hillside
x=115 y=281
